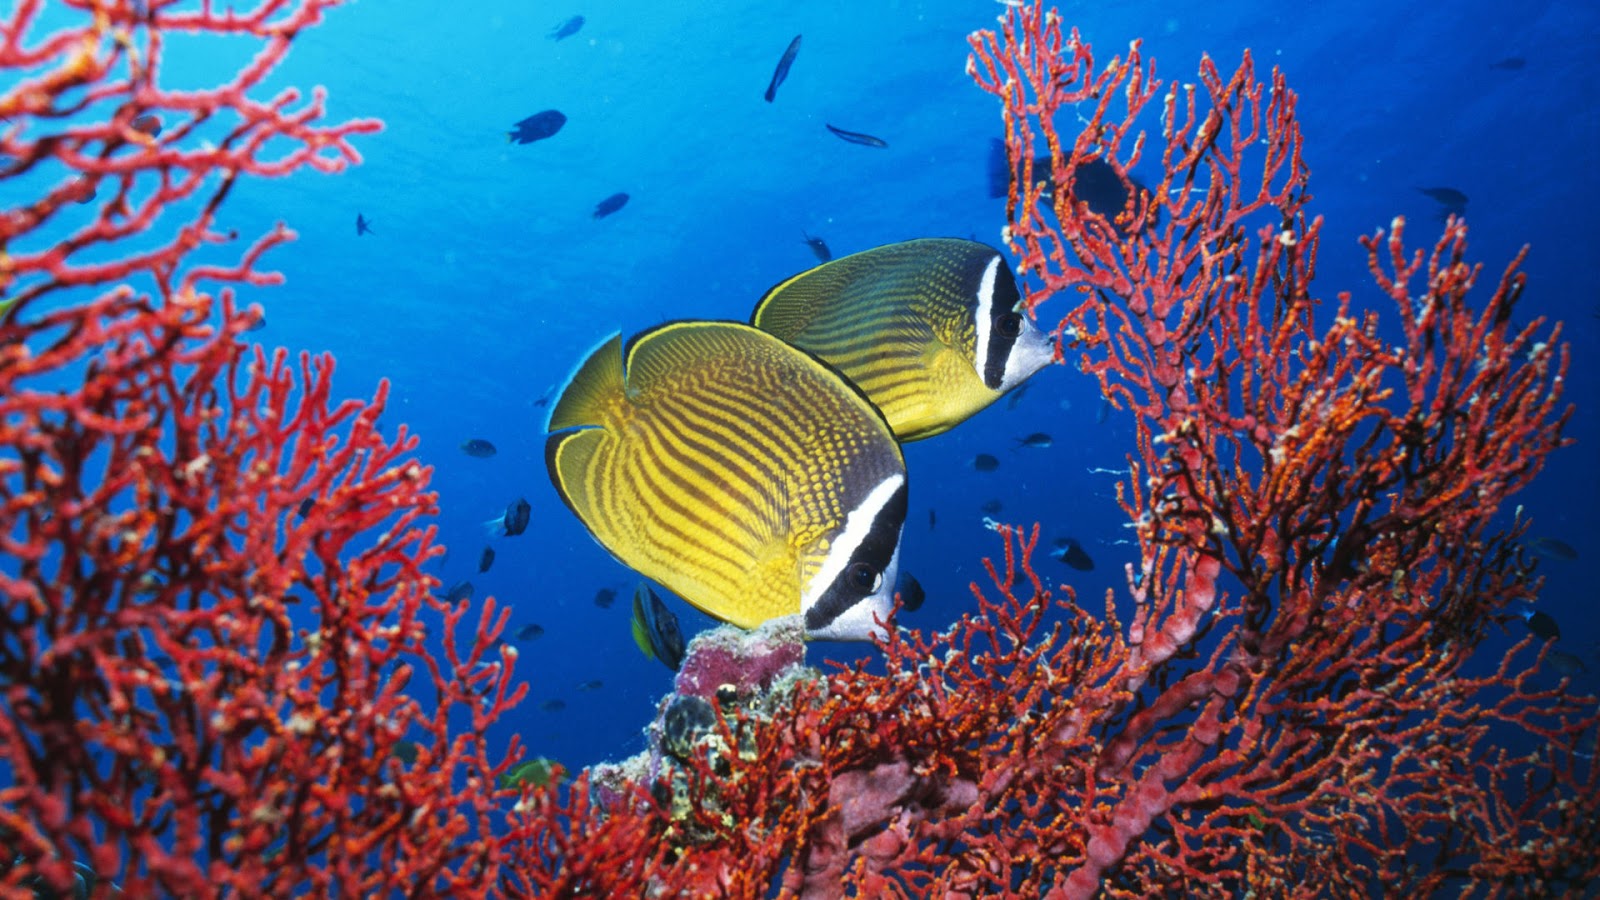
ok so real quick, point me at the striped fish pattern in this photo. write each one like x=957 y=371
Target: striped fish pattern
x=931 y=330
x=736 y=471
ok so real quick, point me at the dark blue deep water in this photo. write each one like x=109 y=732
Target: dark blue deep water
x=486 y=277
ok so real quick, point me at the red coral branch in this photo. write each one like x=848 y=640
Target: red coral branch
x=1286 y=711
x=213 y=596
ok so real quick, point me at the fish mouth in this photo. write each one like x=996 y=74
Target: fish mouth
x=1033 y=351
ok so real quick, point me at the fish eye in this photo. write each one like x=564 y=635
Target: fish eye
x=864 y=578
x=1009 y=325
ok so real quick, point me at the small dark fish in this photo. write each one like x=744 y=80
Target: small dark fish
x=985 y=462
x=163 y=661
x=1072 y=553
x=819 y=247
x=485 y=559
x=405 y=751
x=537 y=127
x=933 y=519
x=149 y=584
x=478 y=447
x=1038 y=440
x=461 y=590
x=782 y=71
x=306 y=506
x=993 y=506
x=515 y=520
x=610 y=205
x=1452 y=200
x=258 y=324
x=553 y=705
x=1104 y=412
x=568 y=28
x=1016 y=396
x=655 y=628
x=1551 y=548
x=148 y=124
x=1565 y=663
x=1094 y=181
x=911 y=592
x=1509 y=64
x=856 y=137
x=529 y=633
x=545 y=400
x=604 y=597
x=594 y=685
x=1542 y=624
x=363 y=225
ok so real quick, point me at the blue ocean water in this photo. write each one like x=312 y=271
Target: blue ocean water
x=486 y=278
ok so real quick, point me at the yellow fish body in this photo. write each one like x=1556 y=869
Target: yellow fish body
x=931 y=330
x=736 y=471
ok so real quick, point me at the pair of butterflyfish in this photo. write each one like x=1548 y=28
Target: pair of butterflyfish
x=755 y=470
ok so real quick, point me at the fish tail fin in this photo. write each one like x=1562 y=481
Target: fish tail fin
x=999 y=169
x=496 y=527
x=595 y=384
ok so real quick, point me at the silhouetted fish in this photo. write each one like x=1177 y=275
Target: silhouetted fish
x=538 y=126
x=515 y=520
x=1565 y=663
x=306 y=506
x=1016 y=396
x=610 y=205
x=148 y=124
x=363 y=225
x=478 y=447
x=486 y=559
x=529 y=632
x=1553 y=548
x=568 y=28
x=818 y=247
x=1038 y=440
x=1542 y=624
x=1451 y=201
x=856 y=137
x=461 y=590
x=553 y=705
x=992 y=506
x=1069 y=551
x=593 y=685
x=604 y=597
x=1509 y=64
x=782 y=71
x=1094 y=181
x=911 y=592
x=984 y=462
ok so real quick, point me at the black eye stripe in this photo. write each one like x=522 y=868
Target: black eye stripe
x=1002 y=303
x=875 y=552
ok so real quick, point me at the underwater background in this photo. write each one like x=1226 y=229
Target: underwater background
x=486 y=277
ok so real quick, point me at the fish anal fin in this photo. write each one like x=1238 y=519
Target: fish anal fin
x=569 y=458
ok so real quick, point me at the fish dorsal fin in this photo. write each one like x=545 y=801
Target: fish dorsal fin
x=658 y=354
x=592 y=389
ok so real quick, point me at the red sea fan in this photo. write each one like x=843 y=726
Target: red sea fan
x=211 y=578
